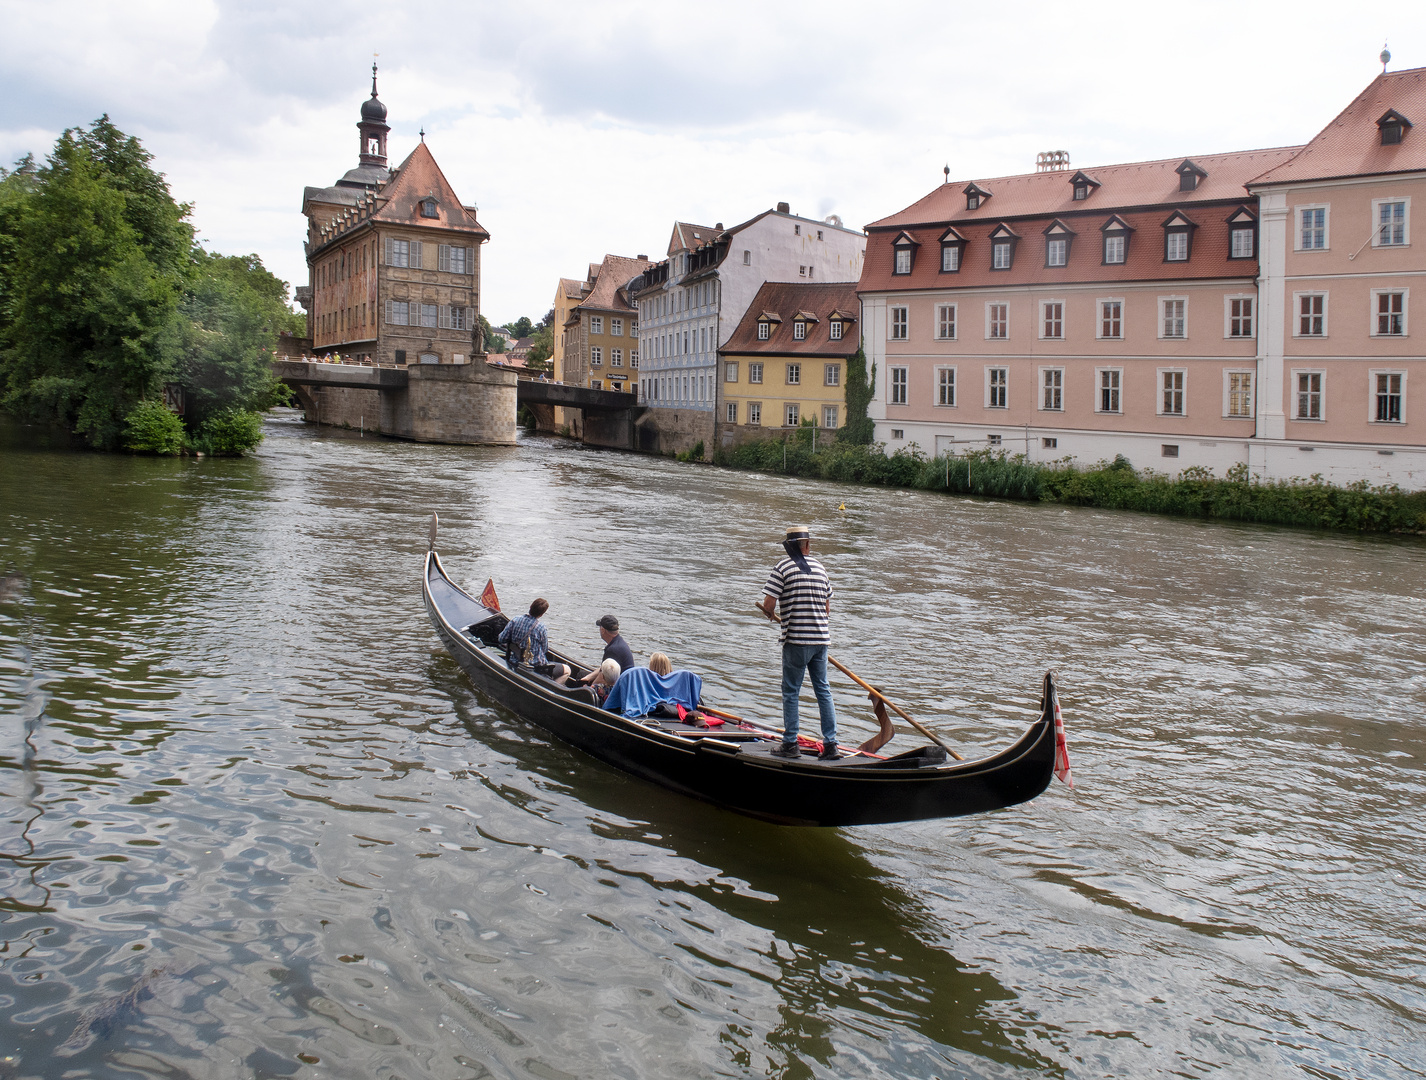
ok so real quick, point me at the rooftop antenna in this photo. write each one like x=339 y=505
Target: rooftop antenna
x=947 y=171
x=1385 y=57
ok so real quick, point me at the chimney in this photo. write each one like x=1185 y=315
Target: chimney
x=782 y=208
x=642 y=258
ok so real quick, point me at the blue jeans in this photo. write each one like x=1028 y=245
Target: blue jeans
x=811 y=659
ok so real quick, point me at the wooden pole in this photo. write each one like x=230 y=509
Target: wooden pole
x=894 y=707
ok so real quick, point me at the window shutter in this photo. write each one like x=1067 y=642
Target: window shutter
x=443 y=258
x=443 y=316
x=469 y=260
x=469 y=315
x=387 y=261
x=415 y=254
x=388 y=303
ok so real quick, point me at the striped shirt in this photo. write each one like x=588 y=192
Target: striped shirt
x=802 y=601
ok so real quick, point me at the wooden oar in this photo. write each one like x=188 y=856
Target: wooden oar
x=869 y=688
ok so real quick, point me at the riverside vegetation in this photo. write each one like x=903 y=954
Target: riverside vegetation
x=1116 y=485
x=106 y=301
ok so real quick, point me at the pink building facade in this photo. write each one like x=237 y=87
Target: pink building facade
x=1125 y=310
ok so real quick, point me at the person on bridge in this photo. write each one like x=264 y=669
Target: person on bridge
x=526 y=643
x=799 y=586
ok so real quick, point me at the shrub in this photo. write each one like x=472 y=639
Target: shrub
x=230 y=432
x=151 y=429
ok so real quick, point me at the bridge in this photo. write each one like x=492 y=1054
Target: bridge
x=464 y=404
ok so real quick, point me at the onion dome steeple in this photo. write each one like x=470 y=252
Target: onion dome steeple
x=373 y=128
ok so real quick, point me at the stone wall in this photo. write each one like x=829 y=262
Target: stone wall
x=674 y=431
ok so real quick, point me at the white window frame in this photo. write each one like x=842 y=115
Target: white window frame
x=1002 y=255
x=1228 y=374
x=755 y=371
x=431 y=316
x=1057 y=245
x=730 y=371
x=950 y=253
x=596 y=324
x=1228 y=299
x=831 y=374
x=898 y=323
x=1405 y=312
x=1321 y=393
x=1234 y=231
x=897 y=386
x=834 y=330
x=1052 y=382
x=1099 y=334
x=755 y=413
x=791 y=413
x=1181 y=390
x=730 y=414
x=616 y=357
x=902 y=263
x=1003 y=387
x=943 y=384
x=616 y=327
x=1163 y=318
x=1406 y=221
x=1123 y=238
x=1117 y=390
x=990 y=305
x=764 y=330
x=799 y=330
x=596 y=356
x=829 y=413
x=1176 y=240
x=1044 y=305
x=943 y=323
x=1326 y=208
x=1297 y=299
x=1371 y=396
x=794 y=374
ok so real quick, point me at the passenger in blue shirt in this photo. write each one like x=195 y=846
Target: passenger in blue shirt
x=526 y=643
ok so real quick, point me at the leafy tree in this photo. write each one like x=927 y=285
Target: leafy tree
x=859 y=428
x=493 y=344
x=231 y=315
x=521 y=327
x=101 y=257
x=150 y=428
x=542 y=348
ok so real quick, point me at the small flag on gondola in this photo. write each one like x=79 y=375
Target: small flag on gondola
x=488 y=597
x=1062 y=763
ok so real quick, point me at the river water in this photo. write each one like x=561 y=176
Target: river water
x=257 y=824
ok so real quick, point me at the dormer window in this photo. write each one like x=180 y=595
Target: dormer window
x=1057 y=244
x=764 y=329
x=1178 y=238
x=1242 y=234
x=1116 y=232
x=834 y=329
x=904 y=249
x=1083 y=186
x=799 y=330
x=952 y=247
x=428 y=208
x=1393 y=127
x=1002 y=247
x=1189 y=175
x=975 y=196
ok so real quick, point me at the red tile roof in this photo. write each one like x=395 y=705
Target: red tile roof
x=414 y=179
x=1351 y=144
x=786 y=300
x=688 y=237
x=608 y=293
x=1050 y=194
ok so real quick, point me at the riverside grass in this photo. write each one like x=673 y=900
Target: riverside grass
x=1116 y=485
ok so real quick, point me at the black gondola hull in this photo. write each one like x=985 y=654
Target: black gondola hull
x=722 y=771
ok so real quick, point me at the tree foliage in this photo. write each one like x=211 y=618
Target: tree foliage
x=105 y=298
x=859 y=428
x=102 y=254
x=493 y=343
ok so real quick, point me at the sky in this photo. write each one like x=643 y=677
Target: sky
x=580 y=130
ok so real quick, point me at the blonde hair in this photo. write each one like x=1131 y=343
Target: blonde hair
x=660 y=664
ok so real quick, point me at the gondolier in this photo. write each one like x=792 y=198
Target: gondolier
x=799 y=589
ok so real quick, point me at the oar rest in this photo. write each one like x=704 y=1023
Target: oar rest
x=487 y=631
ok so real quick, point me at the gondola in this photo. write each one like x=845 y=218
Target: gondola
x=731 y=765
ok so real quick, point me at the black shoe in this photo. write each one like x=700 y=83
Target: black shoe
x=787 y=750
x=829 y=752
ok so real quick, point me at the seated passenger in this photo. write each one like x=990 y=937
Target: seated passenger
x=604 y=678
x=526 y=642
x=641 y=692
x=615 y=647
x=660 y=664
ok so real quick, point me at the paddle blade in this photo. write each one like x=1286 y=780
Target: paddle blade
x=1062 y=761
x=487 y=596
